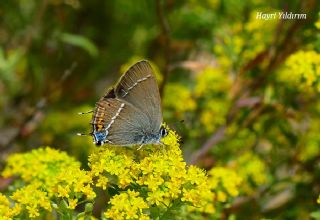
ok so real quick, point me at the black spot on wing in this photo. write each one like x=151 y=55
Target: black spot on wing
x=110 y=94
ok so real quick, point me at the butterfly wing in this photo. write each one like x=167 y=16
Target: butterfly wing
x=138 y=86
x=118 y=122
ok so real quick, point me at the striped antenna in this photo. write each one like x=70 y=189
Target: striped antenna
x=81 y=134
x=82 y=113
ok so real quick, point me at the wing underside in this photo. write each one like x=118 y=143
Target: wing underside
x=131 y=110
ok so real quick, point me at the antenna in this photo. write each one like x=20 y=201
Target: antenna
x=177 y=122
x=82 y=113
x=81 y=134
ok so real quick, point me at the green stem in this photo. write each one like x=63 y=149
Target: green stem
x=168 y=213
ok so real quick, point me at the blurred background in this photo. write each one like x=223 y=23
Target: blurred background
x=246 y=88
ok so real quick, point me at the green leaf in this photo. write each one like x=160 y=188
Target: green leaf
x=315 y=215
x=80 y=41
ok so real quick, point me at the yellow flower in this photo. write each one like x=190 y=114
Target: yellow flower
x=63 y=191
x=224 y=182
x=114 y=161
x=195 y=175
x=50 y=173
x=88 y=191
x=4 y=201
x=33 y=211
x=179 y=98
x=317 y=24
x=42 y=164
x=154 y=177
x=127 y=205
x=196 y=189
x=6 y=211
x=252 y=171
x=159 y=173
x=214 y=114
x=235 y=50
x=102 y=182
x=33 y=199
x=221 y=196
x=156 y=197
x=301 y=70
x=212 y=80
x=211 y=84
x=72 y=203
x=74 y=181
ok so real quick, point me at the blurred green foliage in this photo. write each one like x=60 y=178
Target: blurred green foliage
x=247 y=89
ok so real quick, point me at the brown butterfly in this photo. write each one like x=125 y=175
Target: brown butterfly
x=130 y=113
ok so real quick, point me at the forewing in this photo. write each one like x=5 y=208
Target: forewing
x=138 y=86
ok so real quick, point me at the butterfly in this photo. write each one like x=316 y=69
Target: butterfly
x=130 y=112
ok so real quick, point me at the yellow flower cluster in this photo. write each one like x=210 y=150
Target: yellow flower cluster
x=41 y=165
x=113 y=164
x=234 y=48
x=198 y=191
x=159 y=175
x=127 y=205
x=163 y=174
x=32 y=199
x=179 y=98
x=6 y=211
x=150 y=182
x=211 y=84
x=302 y=69
x=259 y=40
x=317 y=23
x=214 y=114
x=224 y=182
x=48 y=174
x=252 y=170
x=243 y=137
x=73 y=184
x=212 y=80
x=162 y=178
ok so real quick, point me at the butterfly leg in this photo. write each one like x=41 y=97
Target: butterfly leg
x=164 y=146
x=140 y=147
x=142 y=142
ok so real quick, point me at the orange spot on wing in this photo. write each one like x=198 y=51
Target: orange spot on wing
x=100 y=124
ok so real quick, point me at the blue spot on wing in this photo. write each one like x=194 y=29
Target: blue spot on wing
x=100 y=137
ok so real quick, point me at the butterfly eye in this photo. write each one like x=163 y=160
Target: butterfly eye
x=163 y=132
